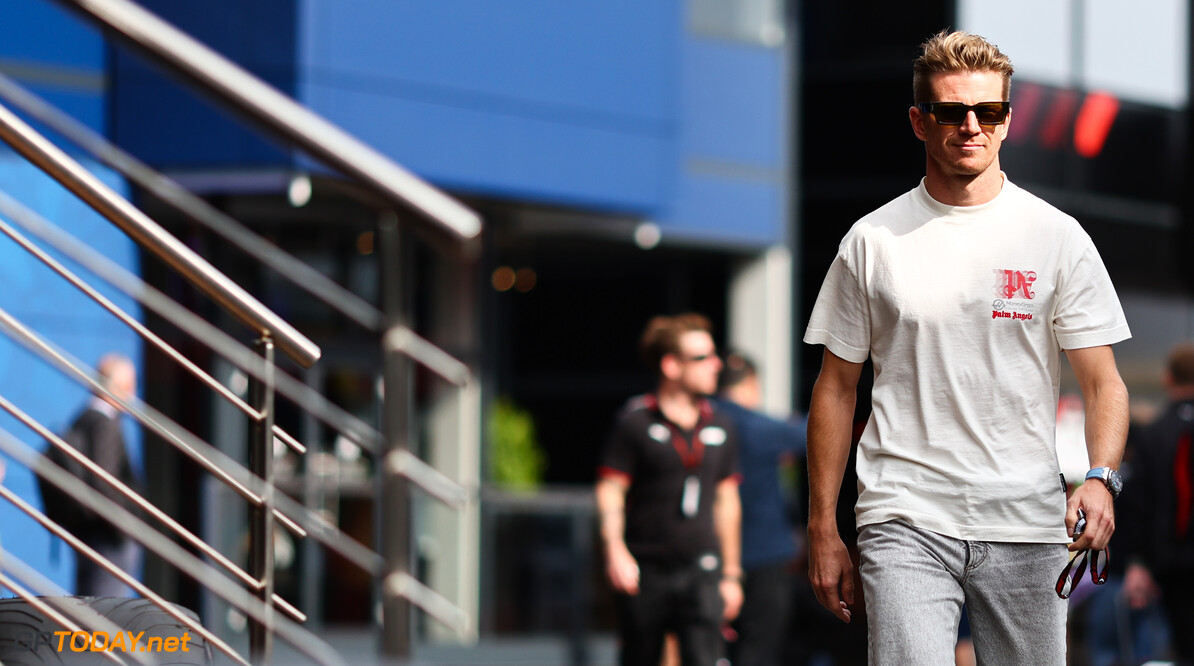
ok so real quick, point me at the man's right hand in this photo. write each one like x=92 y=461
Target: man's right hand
x=622 y=570
x=831 y=572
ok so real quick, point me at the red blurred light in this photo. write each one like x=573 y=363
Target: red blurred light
x=1026 y=105
x=1094 y=123
x=1052 y=131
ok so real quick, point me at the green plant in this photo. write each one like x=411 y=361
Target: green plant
x=515 y=460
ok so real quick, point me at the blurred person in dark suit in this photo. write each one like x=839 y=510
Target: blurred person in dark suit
x=765 y=445
x=667 y=501
x=98 y=431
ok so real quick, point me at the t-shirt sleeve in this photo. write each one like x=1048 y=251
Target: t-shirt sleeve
x=1088 y=312
x=617 y=455
x=730 y=466
x=841 y=317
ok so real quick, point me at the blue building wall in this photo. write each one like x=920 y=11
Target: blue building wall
x=732 y=169
x=61 y=59
x=573 y=103
x=168 y=125
x=58 y=57
x=605 y=105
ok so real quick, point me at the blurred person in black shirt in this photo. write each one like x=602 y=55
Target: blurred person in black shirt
x=667 y=498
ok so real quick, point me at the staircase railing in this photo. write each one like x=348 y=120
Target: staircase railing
x=447 y=224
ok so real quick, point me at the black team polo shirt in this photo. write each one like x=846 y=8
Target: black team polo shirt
x=658 y=459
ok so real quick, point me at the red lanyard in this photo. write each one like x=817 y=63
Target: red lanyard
x=691 y=452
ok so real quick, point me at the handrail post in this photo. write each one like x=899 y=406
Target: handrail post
x=394 y=510
x=261 y=518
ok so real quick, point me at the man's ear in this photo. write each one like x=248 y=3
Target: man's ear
x=669 y=366
x=917 y=118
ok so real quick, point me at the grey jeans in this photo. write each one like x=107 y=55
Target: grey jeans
x=916 y=581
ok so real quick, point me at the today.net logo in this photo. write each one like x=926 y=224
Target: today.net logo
x=102 y=641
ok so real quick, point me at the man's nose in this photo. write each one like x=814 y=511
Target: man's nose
x=970 y=124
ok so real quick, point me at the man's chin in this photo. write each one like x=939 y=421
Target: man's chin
x=968 y=170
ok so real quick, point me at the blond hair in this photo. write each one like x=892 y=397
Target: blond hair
x=957 y=52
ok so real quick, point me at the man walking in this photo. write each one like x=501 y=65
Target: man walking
x=667 y=499
x=962 y=292
x=98 y=432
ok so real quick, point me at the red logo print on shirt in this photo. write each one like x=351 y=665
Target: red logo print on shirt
x=1014 y=284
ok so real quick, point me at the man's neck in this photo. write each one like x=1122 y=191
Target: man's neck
x=679 y=406
x=953 y=190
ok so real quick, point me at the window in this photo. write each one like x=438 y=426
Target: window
x=753 y=21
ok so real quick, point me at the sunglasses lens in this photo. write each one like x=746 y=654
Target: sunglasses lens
x=990 y=113
x=949 y=113
x=954 y=113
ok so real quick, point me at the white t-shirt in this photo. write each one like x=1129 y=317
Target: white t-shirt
x=963 y=311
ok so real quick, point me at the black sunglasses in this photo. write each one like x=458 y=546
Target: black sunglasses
x=954 y=113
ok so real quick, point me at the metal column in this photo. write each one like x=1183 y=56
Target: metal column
x=261 y=518
x=394 y=506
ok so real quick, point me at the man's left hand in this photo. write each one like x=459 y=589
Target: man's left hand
x=731 y=598
x=1096 y=501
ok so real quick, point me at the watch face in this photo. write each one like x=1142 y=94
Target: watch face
x=1115 y=482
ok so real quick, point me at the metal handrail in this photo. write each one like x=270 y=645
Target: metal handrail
x=336 y=148
x=90 y=553
x=95 y=621
x=145 y=505
x=190 y=323
x=207 y=456
x=300 y=518
x=48 y=157
x=283 y=115
x=399 y=338
x=143 y=331
x=47 y=597
x=168 y=190
x=165 y=548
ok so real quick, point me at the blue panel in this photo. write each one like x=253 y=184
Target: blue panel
x=50 y=306
x=560 y=102
x=36 y=31
x=57 y=55
x=84 y=106
x=733 y=103
x=257 y=35
x=609 y=62
x=732 y=146
x=724 y=210
x=162 y=121
x=508 y=155
x=169 y=126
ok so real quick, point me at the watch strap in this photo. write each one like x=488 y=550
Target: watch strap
x=1109 y=477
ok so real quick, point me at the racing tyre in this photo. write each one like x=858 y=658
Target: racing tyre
x=27 y=636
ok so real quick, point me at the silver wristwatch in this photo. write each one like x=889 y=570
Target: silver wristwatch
x=1109 y=477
